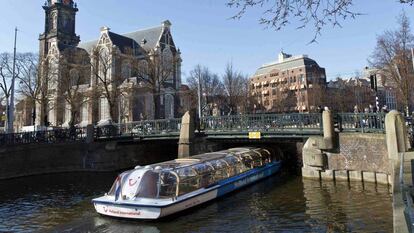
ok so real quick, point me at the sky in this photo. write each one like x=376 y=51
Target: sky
x=206 y=35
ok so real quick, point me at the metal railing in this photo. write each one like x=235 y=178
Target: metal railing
x=271 y=123
x=46 y=136
x=361 y=122
x=293 y=123
x=165 y=127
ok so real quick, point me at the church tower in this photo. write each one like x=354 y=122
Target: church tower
x=60 y=21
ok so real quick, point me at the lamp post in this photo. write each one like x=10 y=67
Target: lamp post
x=200 y=115
x=374 y=85
x=10 y=114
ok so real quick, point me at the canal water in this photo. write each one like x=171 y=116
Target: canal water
x=282 y=203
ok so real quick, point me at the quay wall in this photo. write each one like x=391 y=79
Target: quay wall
x=35 y=159
x=358 y=157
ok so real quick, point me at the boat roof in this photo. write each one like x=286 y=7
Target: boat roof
x=201 y=158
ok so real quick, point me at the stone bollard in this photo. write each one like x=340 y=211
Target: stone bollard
x=396 y=134
x=90 y=133
x=314 y=156
x=328 y=131
x=185 y=147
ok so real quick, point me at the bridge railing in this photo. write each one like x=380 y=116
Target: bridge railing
x=46 y=136
x=294 y=122
x=361 y=122
x=140 y=128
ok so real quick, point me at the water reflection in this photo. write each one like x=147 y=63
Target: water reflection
x=61 y=203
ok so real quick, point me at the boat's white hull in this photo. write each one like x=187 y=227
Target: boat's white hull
x=154 y=209
x=145 y=212
x=122 y=211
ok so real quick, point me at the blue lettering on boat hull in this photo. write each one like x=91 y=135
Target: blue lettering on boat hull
x=237 y=182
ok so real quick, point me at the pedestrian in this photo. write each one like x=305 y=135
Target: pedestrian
x=385 y=109
x=356 y=110
x=357 y=118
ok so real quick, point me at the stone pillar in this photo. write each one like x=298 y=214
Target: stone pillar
x=314 y=151
x=396 y=134
x=90 y=133
x=396 y=137
x=186 y=136
x=328 y=131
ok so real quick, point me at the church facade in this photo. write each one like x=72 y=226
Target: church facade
x=115 y=78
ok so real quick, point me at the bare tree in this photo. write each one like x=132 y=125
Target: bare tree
x=393 y=57
x=29 y=79
x=155 y=70
x=283 y=100
x=235 y=88
x=318 y=13
x=212 y=89
x=6 y=78
x=344 y=95
x=107 y=80
x=74 y=79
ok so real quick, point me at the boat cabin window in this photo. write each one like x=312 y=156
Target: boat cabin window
x=232 y=165
x=148 y=186
x=168 y=185
x=179 y=177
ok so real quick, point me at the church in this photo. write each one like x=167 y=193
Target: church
x=117 y=78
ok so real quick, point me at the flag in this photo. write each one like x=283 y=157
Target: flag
x=118 y=187
x=120 y=180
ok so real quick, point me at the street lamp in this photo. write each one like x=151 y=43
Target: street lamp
x=199 y=96
x=374 y=85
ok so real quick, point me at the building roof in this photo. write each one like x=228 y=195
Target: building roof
x=146 y=38
x=293 y=62
x=122 y=42
x=150 y=36
x=353 y=81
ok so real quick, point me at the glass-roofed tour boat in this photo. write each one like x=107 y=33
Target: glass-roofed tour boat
x=158 y=190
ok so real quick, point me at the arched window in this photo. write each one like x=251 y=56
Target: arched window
x=167 y=57
x=142 y=69
x=167 y=64
x=84 y=112
x=104 y=59
x=53 y=71
x=74 y=77
x=126 y=70
x=53 y=18
x=67 y=112
x=169 y=106
x=104 y=109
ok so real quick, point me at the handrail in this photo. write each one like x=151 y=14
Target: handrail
x=267 y=123
x=361 y=122
x=177 y=190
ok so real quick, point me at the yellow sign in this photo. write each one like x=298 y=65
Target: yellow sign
x=255 y=135
x=3 y=118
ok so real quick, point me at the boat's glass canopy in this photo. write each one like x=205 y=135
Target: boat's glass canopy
x=178 y=177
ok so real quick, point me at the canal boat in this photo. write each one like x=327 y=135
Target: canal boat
x=162 y=189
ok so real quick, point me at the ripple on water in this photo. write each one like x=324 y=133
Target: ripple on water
x=61 y=203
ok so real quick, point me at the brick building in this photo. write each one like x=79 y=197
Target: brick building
x=291 y=84
x=347 y=95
